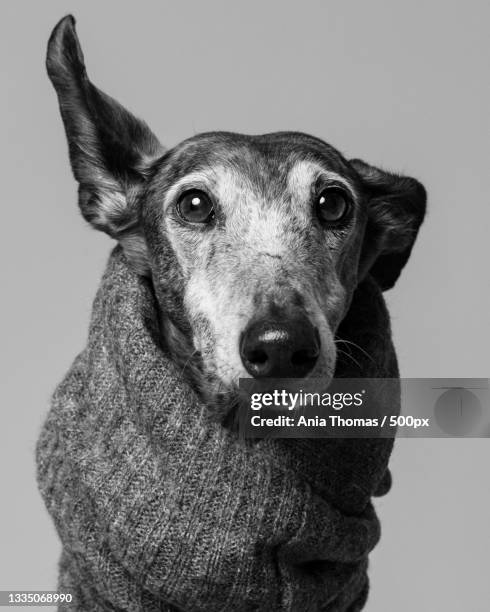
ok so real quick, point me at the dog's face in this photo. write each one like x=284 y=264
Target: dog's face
x=254 y=244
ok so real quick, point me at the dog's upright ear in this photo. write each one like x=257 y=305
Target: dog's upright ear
x=111 y=151
x=396 y=209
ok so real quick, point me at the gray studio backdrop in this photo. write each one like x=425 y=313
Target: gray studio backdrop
x=400 y=84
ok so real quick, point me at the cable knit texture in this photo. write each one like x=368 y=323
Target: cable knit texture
x=158 y=507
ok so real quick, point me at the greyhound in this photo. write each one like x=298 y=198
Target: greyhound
x=254 y=245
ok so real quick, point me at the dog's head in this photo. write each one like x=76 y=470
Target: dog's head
x=254 y=244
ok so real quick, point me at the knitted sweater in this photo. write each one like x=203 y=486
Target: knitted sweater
x=158 y=507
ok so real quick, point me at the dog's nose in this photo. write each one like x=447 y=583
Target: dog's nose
x=280 y=349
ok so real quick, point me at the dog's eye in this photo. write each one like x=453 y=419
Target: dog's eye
x=195 y=207
x=332 y=205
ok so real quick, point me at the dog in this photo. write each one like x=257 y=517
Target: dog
x=254 y=245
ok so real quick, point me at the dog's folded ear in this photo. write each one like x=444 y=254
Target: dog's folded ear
x=396 y=209
x=111 y=151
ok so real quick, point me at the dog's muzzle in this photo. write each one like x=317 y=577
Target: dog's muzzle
x=273 y=348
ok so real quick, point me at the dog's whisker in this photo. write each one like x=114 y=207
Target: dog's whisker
x=350 y=357
x=348 y=342
x=188 y=362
